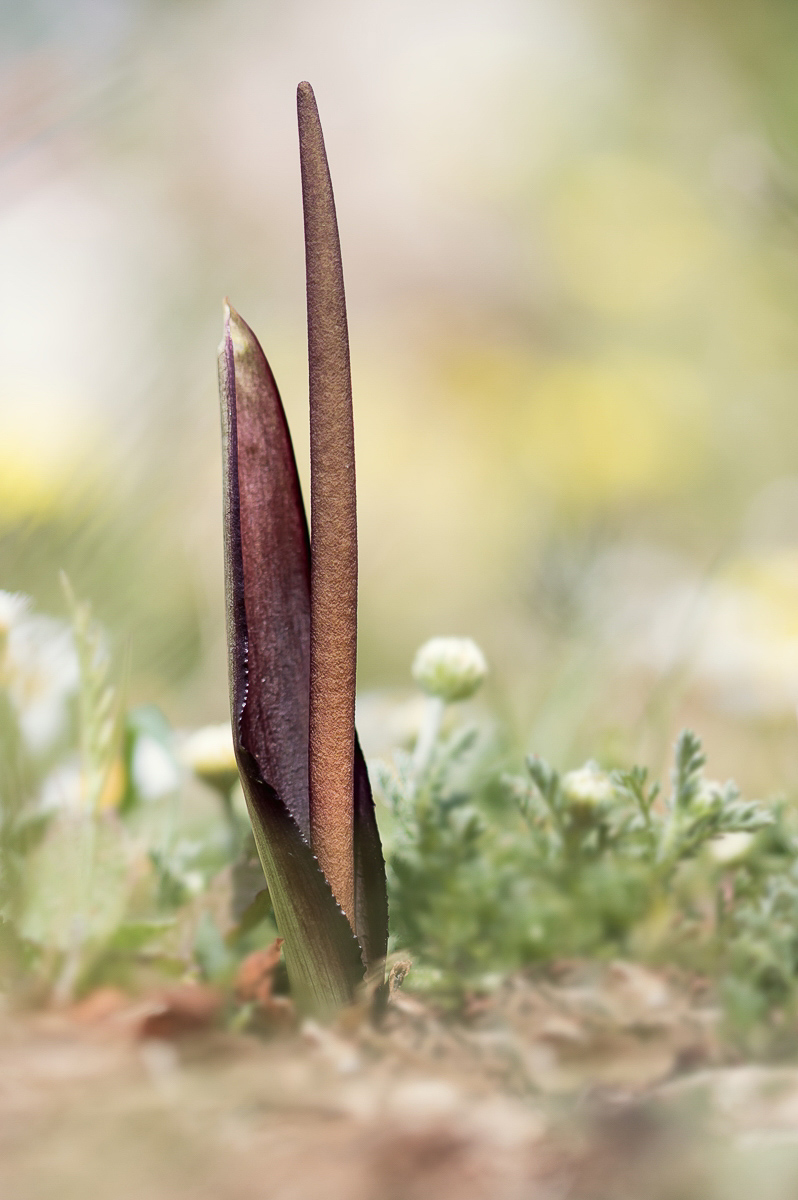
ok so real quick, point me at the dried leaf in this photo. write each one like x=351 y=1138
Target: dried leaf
x=255 y=974
x=180 y=1010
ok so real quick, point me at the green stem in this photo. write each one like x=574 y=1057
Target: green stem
x=428 y=734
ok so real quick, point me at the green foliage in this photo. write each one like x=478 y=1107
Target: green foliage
x=97 y=700
x=448 y=891
x=107 y=873
x=490 y=871
x=106 y=877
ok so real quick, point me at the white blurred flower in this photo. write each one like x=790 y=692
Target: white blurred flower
x=193 y=882
x=38 y=669
x=736 y=631
x=386 y=720
x=587 y=786
x=155 y=772
x=209 y=753
x=731 y=847
x=12 y=606
x=449 y=668
x=62 y=790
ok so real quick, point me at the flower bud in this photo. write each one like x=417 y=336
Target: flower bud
x=588 y=787
x=449 y=668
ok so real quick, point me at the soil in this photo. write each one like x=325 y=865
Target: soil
x=593 y=1084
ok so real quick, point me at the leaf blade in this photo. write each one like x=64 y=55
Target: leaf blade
x=273 y=550
x=322 y=955
x=371 y=894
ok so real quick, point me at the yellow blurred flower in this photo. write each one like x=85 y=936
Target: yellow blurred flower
x=44 y=446
x=587 y=431
x=628 y=235
x=615 y=429
x=770 y=580
x=114 y=786
x=736 y=632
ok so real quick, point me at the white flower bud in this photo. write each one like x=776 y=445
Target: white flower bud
x=587 y=787
x=449 y=668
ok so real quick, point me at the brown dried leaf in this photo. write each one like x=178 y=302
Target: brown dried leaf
x=255 y=976
x=180 y=1010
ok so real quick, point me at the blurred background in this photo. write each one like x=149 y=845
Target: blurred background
x=570 y=236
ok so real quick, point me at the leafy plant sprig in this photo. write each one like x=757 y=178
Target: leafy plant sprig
x=97 y=700
x=588 y=863
x=699 y=812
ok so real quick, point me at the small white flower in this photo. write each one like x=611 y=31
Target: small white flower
x=588 y=785
x=449 y=668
